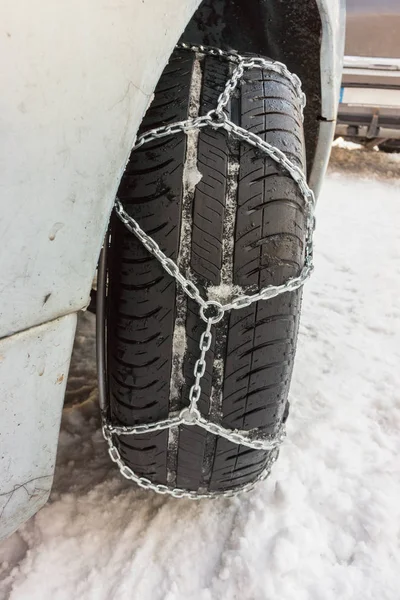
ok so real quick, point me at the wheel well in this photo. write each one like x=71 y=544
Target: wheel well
x=284 y=30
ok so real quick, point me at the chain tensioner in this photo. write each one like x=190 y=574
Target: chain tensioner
x=211 y=311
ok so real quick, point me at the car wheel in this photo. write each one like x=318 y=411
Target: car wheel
x=234 y=221
x=390 y=146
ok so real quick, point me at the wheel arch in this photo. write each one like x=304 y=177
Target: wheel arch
x=80 y=75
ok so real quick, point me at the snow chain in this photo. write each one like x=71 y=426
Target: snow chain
x=210 y=311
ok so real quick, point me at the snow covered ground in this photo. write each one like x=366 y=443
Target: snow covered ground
x=326 y=524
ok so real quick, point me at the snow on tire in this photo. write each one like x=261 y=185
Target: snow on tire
x=233 y=220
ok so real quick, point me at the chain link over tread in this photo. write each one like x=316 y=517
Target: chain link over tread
x=216 y=119
x=152 y=187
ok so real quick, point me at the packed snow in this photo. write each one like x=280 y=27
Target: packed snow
x=325 y=526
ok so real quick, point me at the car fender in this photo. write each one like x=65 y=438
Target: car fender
x=79 y=75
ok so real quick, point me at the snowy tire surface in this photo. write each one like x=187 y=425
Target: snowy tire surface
x=239 y=227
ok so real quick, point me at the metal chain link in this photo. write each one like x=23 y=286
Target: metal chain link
x=210 y=311
x=147 y=484
x=250 y=62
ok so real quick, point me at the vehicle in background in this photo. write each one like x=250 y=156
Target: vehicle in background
x=369 y=109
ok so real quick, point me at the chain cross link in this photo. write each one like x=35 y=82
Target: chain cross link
x=211 y=312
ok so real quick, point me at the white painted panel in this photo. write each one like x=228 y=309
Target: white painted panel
x=371 y=97
x=332 y=13
x=371 y=62
x=373 y=73
x=77 y=77
x=33 y=373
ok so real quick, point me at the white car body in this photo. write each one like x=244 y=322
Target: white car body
x=79 y=78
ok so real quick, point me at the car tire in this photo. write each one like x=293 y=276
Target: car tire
x=390 y=146
x=234 y=220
